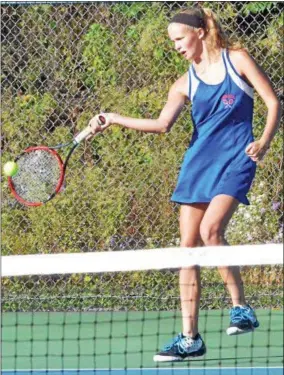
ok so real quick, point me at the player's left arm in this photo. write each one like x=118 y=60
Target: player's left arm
x=256 y=77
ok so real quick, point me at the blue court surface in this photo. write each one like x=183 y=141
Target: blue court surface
x=158 y=371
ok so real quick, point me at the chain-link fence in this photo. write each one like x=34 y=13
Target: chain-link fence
x=62 y=64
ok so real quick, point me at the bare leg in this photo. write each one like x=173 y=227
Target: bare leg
x=190 y=219
x=212 y=230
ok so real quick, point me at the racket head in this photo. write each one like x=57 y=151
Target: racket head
x=40 y=176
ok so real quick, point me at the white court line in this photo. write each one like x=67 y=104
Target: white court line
x=150 y=369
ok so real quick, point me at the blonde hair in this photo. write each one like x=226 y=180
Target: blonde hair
x=215 y=36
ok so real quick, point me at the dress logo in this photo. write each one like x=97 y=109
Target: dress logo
x=228 y=100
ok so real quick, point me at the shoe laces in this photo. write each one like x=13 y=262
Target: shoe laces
x=179 y=342
x=237 y=314
x=174 y=342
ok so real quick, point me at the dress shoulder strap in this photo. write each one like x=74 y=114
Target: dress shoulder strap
x=235 y=76
x=193 y=83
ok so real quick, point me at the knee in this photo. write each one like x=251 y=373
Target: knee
x=211 y=233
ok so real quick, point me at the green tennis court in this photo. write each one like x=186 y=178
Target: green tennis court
x=117 y=340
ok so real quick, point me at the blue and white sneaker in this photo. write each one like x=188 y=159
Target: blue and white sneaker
x=181 y=348
x=242 y=320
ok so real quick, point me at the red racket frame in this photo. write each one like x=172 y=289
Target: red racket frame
x=60 y=181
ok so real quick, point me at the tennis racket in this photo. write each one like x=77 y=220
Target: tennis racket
x=41 y=171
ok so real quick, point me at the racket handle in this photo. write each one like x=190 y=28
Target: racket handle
x=87 y=131
x=82 y=135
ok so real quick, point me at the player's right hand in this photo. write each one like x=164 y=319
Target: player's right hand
x=100 y=122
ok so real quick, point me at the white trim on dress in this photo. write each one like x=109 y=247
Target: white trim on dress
x=194 y=82
x=236 y=78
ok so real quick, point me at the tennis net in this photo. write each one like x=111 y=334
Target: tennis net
x=110 y=312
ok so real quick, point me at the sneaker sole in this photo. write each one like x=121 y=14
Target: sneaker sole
x=161 y=358
x=238 y=331
x=164 y=358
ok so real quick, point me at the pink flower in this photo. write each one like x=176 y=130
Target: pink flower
x=276 y=206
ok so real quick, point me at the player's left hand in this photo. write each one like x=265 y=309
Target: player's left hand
x=256 y=150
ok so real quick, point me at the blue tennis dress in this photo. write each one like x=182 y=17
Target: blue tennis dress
x=215 y=161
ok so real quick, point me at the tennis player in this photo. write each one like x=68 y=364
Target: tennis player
x=220 y=162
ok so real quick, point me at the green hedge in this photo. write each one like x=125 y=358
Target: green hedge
x=117 y=58
x=150 y=290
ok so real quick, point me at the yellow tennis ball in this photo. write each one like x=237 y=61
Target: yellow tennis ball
x=10 y=168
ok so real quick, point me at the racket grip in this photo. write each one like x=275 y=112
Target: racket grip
x=87 y=131
x=82 y=135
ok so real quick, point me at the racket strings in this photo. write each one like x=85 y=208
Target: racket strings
x=38 y=176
